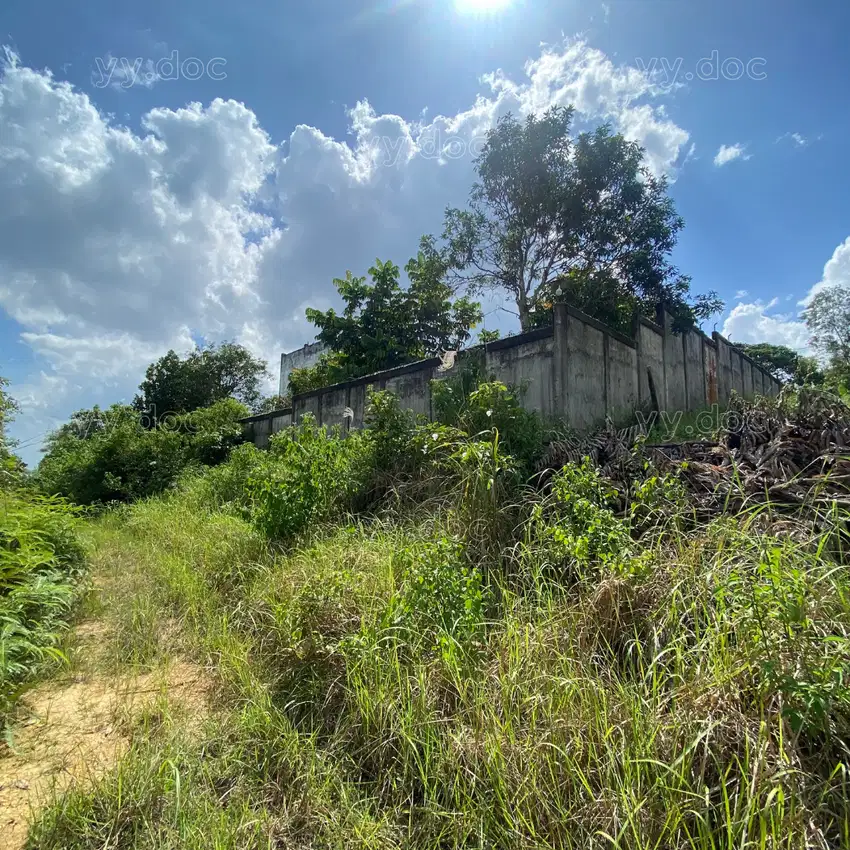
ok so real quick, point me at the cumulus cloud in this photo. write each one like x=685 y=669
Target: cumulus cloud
x=836 y=272
x=755 y=322
x=116 y=245
x=729 y=153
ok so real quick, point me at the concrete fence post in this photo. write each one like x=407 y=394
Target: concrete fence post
x=560 y=361
x=663 y=319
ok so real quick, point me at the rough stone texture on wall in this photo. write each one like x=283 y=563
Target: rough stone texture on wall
x=577 y=371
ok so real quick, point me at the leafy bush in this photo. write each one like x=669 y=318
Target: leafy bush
x=224 y=486
x=110 y=456
x=309 y=471
x=482 y=408
x=577 y=528
x=441 y=602
x=41 y=564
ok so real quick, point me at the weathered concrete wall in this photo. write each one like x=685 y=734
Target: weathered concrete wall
x=737 y=371
x=585 y=373
x=674 y=367
x=621 y=379
x=710 y=367
x=695 y=393
x=650 y=350
x=724 y=366
x=413 y=390
x=578 y=371
x=528 y=366
x=307 y=355
x=258 y=429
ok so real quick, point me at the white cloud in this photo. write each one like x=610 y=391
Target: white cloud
x=116 y=245
x=753 y=323
x=741 y=294
x=798 y=139
x=836 y=272
x=124 y=73
x=729 y=153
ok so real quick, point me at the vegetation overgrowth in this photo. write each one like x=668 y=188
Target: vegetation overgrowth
x=428 y=634
x=42 y=567
x=415 y=645
x=116 y=455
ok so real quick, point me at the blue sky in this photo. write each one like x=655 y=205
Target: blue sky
x=142 y=212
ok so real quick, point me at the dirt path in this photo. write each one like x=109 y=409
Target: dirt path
x=73 y=730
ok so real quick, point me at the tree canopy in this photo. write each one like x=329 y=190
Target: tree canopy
x=11 y=466
x=585 y=215
x=828 y=320
x=8 y=408
x=175 y=384
x=110 y=455
x=383 y=325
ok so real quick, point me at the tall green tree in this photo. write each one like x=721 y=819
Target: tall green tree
x=8 y=409
x=584 y=214
x=383 y=325
x=175 y=384
x=828 y=320
x=11 y=466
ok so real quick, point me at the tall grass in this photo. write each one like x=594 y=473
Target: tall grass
x=468 y=662
x=41 y=567
x=591 y=679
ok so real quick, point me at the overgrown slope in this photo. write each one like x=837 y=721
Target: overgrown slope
x=414 y=648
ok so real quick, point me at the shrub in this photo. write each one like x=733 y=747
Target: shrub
x=577 y=527
x=309 y=471
x=484 y=408
x=224 y=486
x=441 y=601
x=41 y=564
x=109 y=456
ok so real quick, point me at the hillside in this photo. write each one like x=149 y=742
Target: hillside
x=436 y=636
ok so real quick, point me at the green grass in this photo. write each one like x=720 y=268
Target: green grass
x=41 y=571
x=675 y=686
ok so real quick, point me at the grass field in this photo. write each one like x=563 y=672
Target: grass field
x=375 y=690
x=402 y=644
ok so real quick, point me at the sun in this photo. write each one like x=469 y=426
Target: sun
x=481 y=7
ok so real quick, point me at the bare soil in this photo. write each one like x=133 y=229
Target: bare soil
x=74 y=730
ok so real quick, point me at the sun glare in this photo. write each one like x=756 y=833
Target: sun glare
x=481 y=7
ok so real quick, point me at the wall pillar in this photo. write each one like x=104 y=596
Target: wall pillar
x=560 y=360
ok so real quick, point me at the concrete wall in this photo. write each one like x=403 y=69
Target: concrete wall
x=307 y=355
x=527 y=365
x=258 y=429
x=650 y=349
x=578 y=371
